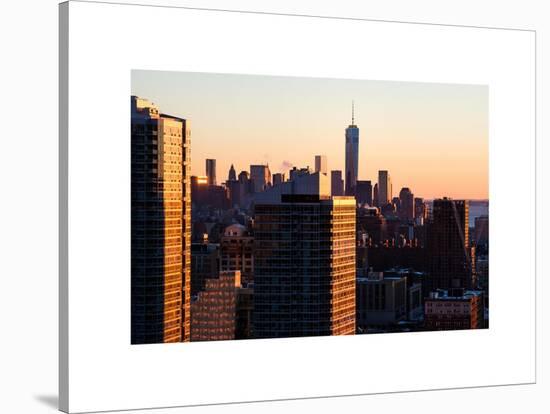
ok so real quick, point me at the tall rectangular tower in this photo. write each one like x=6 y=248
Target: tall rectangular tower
x=336 y=183
x=304 y=269
x=161 y=225
x=321 y=164
x=260 y=176
x=352 y=156
x=363 y=193
x=448 y=244
x=211 y=171
x=384 y=188
x=406 y=204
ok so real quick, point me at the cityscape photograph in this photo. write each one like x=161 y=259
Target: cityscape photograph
x=276 y=207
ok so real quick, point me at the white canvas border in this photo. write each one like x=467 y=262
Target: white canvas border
x=106 y=373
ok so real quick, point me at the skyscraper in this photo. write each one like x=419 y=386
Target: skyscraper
x=321 y=164
x=237 y=251
x=304 y=263
x=161 y=225
x=406 y=204
x=211 y=171
x=232 y=176
x=245 y=189
x=419 y=210
x=352 y=155
x=448 y=244
x=278 y=178
x=199 y=189
x=481 y=230
x=363 y=192
x=336 y=183
x=260 y=176
x=384 y=188
x=205 y=264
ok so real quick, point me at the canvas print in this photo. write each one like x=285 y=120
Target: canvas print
x=273 y=207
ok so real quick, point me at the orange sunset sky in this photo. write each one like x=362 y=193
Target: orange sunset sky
x=433 y=138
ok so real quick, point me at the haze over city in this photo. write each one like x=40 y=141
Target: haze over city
x=433 y=138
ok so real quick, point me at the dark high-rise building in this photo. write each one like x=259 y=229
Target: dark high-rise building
x=278 y=178
x=204 y=194
x=211 y=171
x=363 y=192
x=237 y=251
x=217 y=196
x=373 y=224
x=420 y=211
x=245 y=309
x=199 y=189
x=375 y=196
x=352 y=155
x=304 y=263
x=232 y=176
x=205 y=264
x=481 y=230
x=244 y=191
x=396 y=203
x=234 y=188
x=260 y=176
x=384 y=188
x=321 y=164
x=336 y=183
x=389 y=210
x=448 y=246
x=406 y=204
x=161 y=225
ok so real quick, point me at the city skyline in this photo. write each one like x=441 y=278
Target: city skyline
x=390 y=115
x=249 y=258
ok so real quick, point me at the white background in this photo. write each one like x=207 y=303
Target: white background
x=29 y=219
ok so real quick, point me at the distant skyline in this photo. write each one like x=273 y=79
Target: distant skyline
x=432 y=138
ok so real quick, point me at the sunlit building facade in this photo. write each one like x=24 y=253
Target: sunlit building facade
x=214 y=310
x=161 y=225
x=304 y=268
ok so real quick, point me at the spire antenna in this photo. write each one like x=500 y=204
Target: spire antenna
x=352 y=112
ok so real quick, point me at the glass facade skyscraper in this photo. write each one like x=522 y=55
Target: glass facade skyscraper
x=352 y=157
x=161 y=225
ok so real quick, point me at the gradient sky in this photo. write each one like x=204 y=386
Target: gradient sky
x=433 y=138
